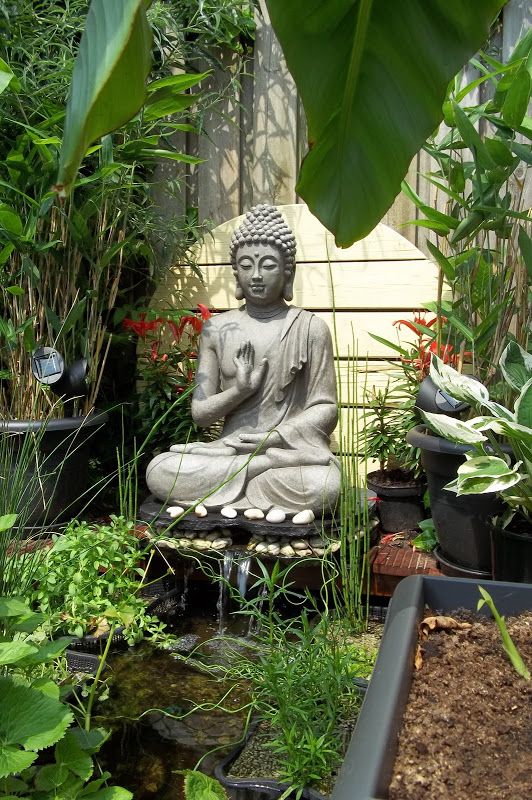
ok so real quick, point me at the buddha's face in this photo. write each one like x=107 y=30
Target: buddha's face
x=260 y=272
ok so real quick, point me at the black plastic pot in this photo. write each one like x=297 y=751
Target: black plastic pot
x=399 y=507
x=462 y=523
x=55 y=478
x=368 y=764
x=263 y=788
x=253 y=788
x=512 y=555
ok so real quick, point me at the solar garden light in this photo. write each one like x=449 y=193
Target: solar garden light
x=48 y=368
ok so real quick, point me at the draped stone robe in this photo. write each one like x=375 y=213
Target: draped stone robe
x=297 y=399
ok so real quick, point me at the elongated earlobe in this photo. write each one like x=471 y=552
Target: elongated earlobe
x=239 y=294
x=288 y=288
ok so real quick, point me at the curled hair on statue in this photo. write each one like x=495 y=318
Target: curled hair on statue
x=264 y=224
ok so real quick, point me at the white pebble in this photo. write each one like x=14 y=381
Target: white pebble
x=175 y=511
x=319 y=551
x=273 y=549
x=219 y=544
x=335 y=546
x=262 y=547
x=275 y=515
x=304 y=517
x=229 y=512
x=254 y=513
x=169 y=543
x=201 y=544
x=200 y=511
x=304 y=553
x=287 y=551
x=299 y=544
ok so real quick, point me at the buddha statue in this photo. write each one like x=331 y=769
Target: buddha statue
x=267 y=370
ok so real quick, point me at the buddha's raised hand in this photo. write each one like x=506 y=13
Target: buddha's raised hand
x=248 y=376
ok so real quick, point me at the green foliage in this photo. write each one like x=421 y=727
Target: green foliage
x=484 y=250
x=508 y=645
x=202 y=787
x=299 y=673
x=372 y=77
x=92 y=577
x=388 y=416
x=487 y=468
x=32 y=718
x=166 y=366
x=427 y=540
x=108 y=81
x=65 y=266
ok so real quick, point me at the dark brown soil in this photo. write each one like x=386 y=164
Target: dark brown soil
x=467 y=732
x=393 y=479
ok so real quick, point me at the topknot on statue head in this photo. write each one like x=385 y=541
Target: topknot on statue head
x=264 y=224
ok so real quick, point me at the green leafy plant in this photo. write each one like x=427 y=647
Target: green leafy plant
x=484 y=247
x=508 y=645
x=299 y=672
x=389 y=415
x=372 y=77
x=427 y=540
x=33 y=718
x=92 y=578
x=487 y=468
x=64 y=266
x=166 y=365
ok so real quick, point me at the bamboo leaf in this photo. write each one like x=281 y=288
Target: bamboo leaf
x=372 y=77
x=108 y=82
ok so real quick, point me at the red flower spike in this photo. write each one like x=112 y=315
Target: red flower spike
x=204 y=311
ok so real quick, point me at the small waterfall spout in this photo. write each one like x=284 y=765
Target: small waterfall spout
x=242 y=575
x=187 y=572
x=226 y=568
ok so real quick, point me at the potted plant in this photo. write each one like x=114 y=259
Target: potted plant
x=368 y=765
x=67 y=263
x=389 y=415
x=487 y=468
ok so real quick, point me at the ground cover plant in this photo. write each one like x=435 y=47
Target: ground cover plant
x=92 y=578
x=34 y=718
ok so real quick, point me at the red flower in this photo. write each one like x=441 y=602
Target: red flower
x=204 y=311
x=141 y=326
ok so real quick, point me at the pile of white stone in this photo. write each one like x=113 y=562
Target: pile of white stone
x=274 y=515
x=218 y=539
x=286 y=547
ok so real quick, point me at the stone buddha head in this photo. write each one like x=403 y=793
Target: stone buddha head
x=262 y=253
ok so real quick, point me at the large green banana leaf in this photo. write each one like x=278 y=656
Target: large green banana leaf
x=109 y=79
x=372 y=75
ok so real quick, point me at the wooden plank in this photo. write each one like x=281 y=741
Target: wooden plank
x=314 y=242
x=403 y=209
x=275 y=162
x=356 y=380
x=383 y=284
x=219 y=176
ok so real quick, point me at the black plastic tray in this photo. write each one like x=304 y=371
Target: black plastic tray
x=368 y=764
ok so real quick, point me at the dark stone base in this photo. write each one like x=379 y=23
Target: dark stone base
x=152 y=512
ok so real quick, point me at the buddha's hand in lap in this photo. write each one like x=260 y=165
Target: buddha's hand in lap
x=248 y=376
x=251 y=442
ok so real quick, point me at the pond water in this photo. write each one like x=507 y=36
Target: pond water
x=151 y=688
